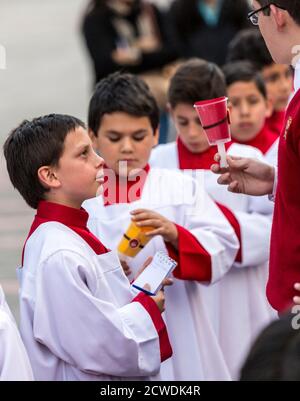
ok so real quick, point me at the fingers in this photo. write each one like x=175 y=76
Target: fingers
x=167 y=282
x=234 y=187
x=139 y=211
x=296 y=300
x=149 y=223
x=127 y=271
x=237 y=163
x=147 y=262
x=225 y=179
x=297 y=286
x=158 y=231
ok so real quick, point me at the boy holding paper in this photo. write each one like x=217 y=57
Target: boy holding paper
x=238 y=303
x=180 y=217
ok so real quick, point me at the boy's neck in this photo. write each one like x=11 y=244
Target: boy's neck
x=64 y=202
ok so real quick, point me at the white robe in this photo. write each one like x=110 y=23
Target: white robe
x=271 y=156
x=238 y=303
x=77 y=318
x=196 y=352
x=14 y=362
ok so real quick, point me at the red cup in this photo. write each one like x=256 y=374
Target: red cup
x=214 y=118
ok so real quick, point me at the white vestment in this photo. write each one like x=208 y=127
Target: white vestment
x=77 y=318
x=196 y=352
x=14 y=362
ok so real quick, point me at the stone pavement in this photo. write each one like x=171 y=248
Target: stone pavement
x=47 y=71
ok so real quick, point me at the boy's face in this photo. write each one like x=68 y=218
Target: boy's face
x=248 y=110
x=279 y=83
x=125 y=142
x=79 y=171
x=189 y=128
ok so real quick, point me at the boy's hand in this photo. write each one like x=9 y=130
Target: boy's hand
x=126 y=268
x=166 y=282
x=161 y=225
x=246 y=176
x=296 y=299
x=159 y=298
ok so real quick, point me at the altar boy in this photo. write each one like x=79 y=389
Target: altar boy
x=238 y=303
x=79 y=317
x=184 y=221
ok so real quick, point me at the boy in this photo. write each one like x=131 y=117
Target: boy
x=249 y=108
x=280 y=26
x=238 y=302
x=14 y=362
x=249 y=45
x=79 y=319
x=184 y=221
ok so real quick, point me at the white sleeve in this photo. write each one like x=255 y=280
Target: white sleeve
x=207 y=223
x=88 y=331
x=255 y=238
x=14 y=362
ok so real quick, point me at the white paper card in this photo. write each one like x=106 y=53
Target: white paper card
x=159 y=268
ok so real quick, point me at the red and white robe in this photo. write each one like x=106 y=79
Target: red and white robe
x=207 y=247
x=238 y=304
x=266 y=141
x=79 y=318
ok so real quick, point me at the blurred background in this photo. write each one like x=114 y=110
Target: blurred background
x=46 y=71
x=57 y=49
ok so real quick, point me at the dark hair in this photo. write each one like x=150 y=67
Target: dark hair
x=291 y=6
x=244 y=71
x=275 y=355
x=34 y=144
x=196 y=80
x=249 y=45
x=125 y=93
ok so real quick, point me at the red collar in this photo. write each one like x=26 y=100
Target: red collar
x=263 y=140
x=122 y=190
x=69 y=216
x=196 y=161
x=75 y=219
x=276 y=121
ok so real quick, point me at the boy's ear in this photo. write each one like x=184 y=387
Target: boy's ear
x=156 y=137
x=93 y=138
x=48 y=177
x=280 y=17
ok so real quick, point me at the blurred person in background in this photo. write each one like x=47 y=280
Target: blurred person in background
x=203 y=28
x=131 y=36
x=249 y=45
x=162 y=4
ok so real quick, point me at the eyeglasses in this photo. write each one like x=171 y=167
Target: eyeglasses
x=253 y=15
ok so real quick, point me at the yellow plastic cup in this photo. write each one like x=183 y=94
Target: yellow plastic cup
x=134 y=240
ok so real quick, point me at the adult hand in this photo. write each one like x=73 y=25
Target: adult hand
x=245 y=175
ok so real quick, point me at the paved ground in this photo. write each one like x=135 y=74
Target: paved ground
x=47 y=71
